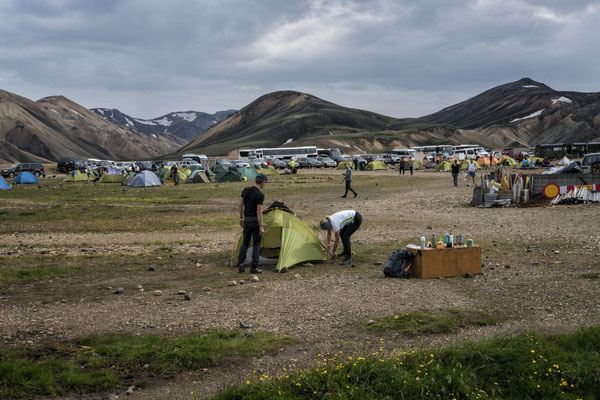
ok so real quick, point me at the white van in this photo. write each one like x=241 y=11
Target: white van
x=588 y=161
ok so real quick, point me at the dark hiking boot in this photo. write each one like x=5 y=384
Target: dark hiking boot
x=241 y=270
x=355 y=194
x=347 y=261
x=256 y=271
x=343 y=197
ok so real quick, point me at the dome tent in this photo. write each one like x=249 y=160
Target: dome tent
x=25 y=178
x=294 y=237
x=376 y=165
x=4 y=185
x=145 y=179
x=77 y=176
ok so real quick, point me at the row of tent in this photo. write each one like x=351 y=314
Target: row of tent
x=23 y=178
x=504 y=160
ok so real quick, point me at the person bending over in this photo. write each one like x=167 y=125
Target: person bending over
x=343 y=224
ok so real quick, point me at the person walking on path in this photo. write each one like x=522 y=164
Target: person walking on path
x=455 y=168
x=348 y=179
x=410 y=166
x=251 y=221
x=175 y=175
x=343 y=224
x=402 y=166
x=471 y=171
x=356 y=163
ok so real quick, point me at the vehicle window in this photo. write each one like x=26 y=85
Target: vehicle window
x=589 y=160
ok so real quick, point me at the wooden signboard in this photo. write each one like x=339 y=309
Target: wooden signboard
x=455 y=261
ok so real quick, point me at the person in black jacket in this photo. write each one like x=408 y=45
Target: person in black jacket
x=251 y=221
x=455 y=168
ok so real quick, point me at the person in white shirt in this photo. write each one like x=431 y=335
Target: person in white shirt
x=471 y=171
x=343 y=224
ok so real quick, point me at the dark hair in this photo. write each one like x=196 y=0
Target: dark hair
x=260 y=178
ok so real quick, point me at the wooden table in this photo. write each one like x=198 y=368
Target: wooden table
x=454 y=261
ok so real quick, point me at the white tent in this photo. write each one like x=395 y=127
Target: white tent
x=564 y=161
x=419 y=155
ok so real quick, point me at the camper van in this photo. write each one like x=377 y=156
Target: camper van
x=199 y=158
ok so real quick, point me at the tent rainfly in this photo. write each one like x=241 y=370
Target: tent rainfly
x=376 y=166
x=25 y=178
x=342 y=164
x=145 y=179
x=110 y=178
x=4 y=185
x=198 y=176
x=294 y=237
x=77 y=176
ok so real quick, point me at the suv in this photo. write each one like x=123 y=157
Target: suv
x=390 y=158
x=591 y=163
x=308 y=162
x=327 y=162
x=68 y=164
x=35 y=168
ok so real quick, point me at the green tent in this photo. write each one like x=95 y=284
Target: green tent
x=229 y=176
x=269 y=170
x=464 y=164
x=532 y=160
x=181 y=173
x=248 y=174
x=128 y=178
x=77 y=176
x=443 y=166
x=219 y=169
x=296 y=240
x=417 y=164
x=509 y=161
x=108 y=178
x=163 y=171
x=376 y=165
x=198 y=176
x=342 y=164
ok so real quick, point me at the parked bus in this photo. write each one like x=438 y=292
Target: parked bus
x=404 y=153
x=440 y=149
x=279 y=152
x=559 y=150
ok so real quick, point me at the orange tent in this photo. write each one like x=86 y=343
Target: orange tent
x=486 y=160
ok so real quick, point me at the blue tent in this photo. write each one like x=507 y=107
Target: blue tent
x=3 y=184
x=26 y=177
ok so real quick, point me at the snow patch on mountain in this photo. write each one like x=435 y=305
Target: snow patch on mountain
x=163 y=121
x=530 y=86
x=535 y=114
x=190 y=117
x=562 y=99
x=145 y=122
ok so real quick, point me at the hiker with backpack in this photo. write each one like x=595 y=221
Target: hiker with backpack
x=343 y=224
x=251 y=221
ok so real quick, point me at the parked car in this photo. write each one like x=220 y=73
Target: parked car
x=223 y=162
x=239 y=163
x=68 y=164
x=591 y=163
x=189 y=163
x=326 y=162
x=308 y=162
x=372 y=157
x=35 y=168
x=390 y=158
x=144 y=165
x=277 y=163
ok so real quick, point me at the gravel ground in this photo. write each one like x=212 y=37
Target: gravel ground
x=534 y=278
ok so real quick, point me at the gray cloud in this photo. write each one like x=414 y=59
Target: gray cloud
x=400 y=58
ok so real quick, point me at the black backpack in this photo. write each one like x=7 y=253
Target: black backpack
x=398 y=264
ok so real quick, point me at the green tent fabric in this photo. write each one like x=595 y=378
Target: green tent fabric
x=219 y=169
x=128 y=178
x=77 y=176
x=269 y=170
x=417 y=164
x=532 y=160
x=342 y=164
x=509 y=161
x=443 y=166
x=248 y=173
x=163 y=171
x=376 y=166
x=296 y=240
x=198 y=176
x=464 y=164
x=107 y=178
x=181 y=173
x=229 y=176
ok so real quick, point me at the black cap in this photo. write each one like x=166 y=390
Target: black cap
x=262 y=178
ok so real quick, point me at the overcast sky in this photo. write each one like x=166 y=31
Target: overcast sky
x=398 y=58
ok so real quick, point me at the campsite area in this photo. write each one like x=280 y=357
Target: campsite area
x=84 y=259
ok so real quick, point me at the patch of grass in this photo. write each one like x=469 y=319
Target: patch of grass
x=591 y=275
x=98 y=363
x=426 y=322
x=528 y=366
x=31 y=268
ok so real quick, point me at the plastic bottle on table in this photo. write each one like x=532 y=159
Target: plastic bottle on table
x=450 y=239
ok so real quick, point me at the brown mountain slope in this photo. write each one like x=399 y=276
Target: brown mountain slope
x=56 y=126
x=293 y=118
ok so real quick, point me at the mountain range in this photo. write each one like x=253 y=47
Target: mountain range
x=186 y=125
x=516 y=114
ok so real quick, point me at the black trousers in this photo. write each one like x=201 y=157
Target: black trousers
x=251 y=231
x=349 y=188
x=348 y=231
